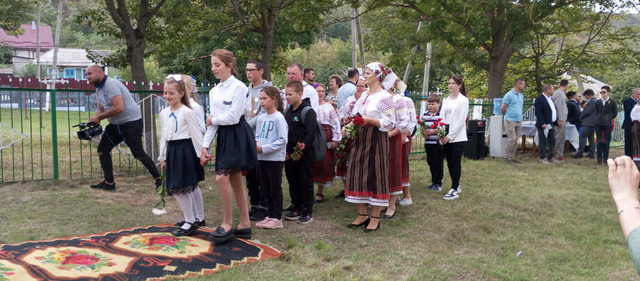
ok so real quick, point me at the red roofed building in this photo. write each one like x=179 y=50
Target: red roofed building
x=24 y=46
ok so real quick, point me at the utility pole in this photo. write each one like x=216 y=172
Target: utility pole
x=354 y=56
x=364 y=63
x=407 y=70
x=427 y=68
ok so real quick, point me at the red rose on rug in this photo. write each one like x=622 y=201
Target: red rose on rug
x=80 y=259
x=162 y=240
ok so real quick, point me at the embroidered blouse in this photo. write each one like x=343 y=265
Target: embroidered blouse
x=401 y=113
x=347 y=106
x=178 y=125
x=326 y=115
x=411 y=114
x=379 y=106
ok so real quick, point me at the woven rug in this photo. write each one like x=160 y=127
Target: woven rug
x=144 y=253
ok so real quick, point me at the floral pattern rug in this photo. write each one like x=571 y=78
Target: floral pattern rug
x=144 y=253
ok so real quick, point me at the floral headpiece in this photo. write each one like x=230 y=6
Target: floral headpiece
x=384 y=74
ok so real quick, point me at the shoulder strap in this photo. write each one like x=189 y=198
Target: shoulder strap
x=304 y=112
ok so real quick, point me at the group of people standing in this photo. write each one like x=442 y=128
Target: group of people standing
x=553 y=113
x=260 y=130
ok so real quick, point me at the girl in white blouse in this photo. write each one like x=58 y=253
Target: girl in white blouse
x=324 y=171
x=235 y=145
x=180 y=147
x=455 y=109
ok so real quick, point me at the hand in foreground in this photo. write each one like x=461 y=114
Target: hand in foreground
x=205 y=157
x=624 y=178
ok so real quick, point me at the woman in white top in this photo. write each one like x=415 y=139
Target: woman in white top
x=368 y=171
x=235 y=145
x=180 y=147
x=325 y=170
x=455 y=109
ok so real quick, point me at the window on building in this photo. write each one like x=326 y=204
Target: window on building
x=70 y=73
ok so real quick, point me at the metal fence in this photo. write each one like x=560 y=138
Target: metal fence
x=41 y=144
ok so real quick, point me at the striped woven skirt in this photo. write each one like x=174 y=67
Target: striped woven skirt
x=395 y=165
x=324 y=170
x=368 y=169
x=635 y=132
x=406 y=151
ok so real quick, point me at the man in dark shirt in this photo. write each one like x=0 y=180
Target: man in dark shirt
x=606 y=111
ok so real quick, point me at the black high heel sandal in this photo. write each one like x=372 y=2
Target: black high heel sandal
x=377 y=227
x=366 y=222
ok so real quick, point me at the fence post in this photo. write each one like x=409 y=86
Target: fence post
x=54 y=132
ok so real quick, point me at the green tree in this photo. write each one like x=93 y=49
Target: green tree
x=484 y=33
x=13 y=13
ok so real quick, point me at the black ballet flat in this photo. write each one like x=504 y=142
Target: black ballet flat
x=185 y=232
x=199 y=223
x=244 y=233
x=375 y=229
x=366 y=222
x=221 y=236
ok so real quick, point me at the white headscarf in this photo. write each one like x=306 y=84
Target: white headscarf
x=384 y=74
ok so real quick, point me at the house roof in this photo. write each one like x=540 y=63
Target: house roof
x=71 y=57
x=28 y=39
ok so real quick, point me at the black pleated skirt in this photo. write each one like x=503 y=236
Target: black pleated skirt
x=236 y=147
x=183 y=167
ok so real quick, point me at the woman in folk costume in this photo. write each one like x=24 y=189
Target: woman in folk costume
x=368 y=171
x=325 y=170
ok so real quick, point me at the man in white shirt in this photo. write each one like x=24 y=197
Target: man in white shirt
x=294 y=73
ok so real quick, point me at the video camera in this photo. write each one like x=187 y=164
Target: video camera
x=88 y=130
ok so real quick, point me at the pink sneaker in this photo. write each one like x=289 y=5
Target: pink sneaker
x=262 y=223
x=273 y=223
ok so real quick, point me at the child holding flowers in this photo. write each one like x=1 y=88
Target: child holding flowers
x=433 y=149
x=299 y=163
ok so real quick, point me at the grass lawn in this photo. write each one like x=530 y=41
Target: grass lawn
x=561 y=217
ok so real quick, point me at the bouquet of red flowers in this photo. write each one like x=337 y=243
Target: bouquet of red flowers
x=358 y=120
x=351 y=134
x=439 y=127
x=297 y=151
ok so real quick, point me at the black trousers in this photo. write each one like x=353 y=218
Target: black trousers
x=435 y=160
x=271 y=182
x=453 y=153
x=300 y=176
x=604 y=139
x=628 y=142
x=546 y=142
x=254 y=187
x=131 y=134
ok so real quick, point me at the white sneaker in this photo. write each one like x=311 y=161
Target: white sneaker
x=451 y=195
x=544 y=161
x=405 y=202
x=459 y=189
x=273 y=224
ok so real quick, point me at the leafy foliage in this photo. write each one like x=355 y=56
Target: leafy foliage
x=13 y=13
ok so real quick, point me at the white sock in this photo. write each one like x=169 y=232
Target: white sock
x=198 y=204
x=184 y=200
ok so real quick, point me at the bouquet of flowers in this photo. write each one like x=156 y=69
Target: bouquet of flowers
x=159 y=209
x=358 y=120
x=351 y=134
x=422 y=124
x=439 y=127
x=297 y=151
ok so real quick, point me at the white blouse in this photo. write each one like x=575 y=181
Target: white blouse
x=326 y=115
x=377 y=105
x=347 y=106
x=411 y=114
x=178 y=125
x=402 y=123
x=199 y=111
x=457 y=117
x=228 y=101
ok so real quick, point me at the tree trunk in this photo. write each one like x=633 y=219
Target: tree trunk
x=497 y=67
x=267 y=41
x=135 y=56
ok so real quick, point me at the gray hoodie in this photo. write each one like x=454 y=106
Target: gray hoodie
x=255 y=98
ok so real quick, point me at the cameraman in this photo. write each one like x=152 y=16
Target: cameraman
x=116 y=103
